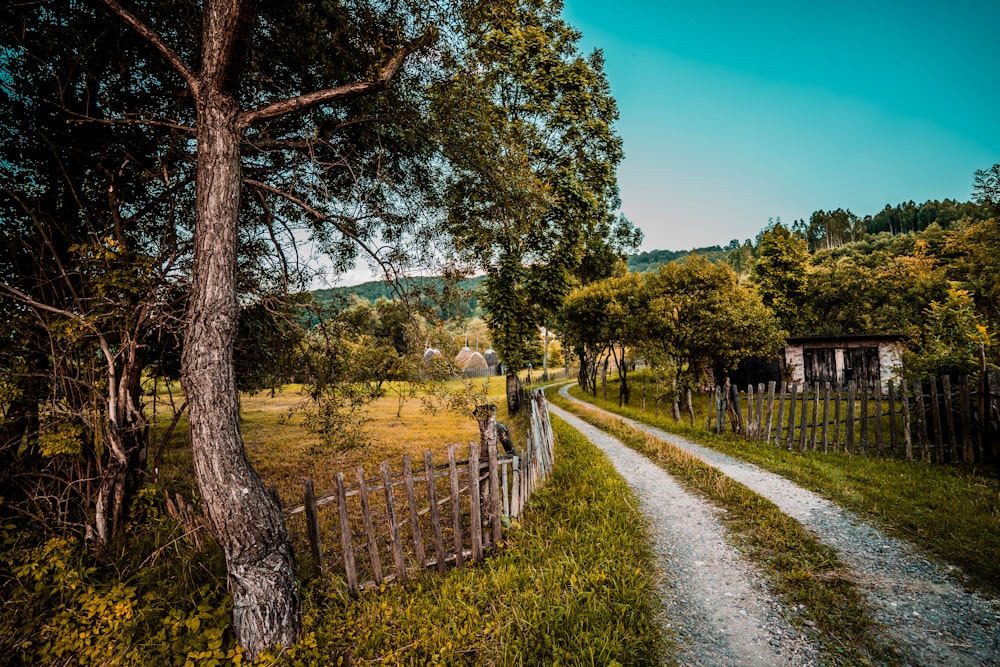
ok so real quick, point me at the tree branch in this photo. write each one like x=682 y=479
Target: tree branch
x=336 y=220
x=344 y=92
x=156 y=42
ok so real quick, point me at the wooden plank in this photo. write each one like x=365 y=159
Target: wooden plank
x=849 y=419
x=879 y=439
x=505 y=489
x=435 y=515
x=395 y=542
x=907 y=431
x=781 y=416
x=864 y=418
x=748 y=429
x=411 y=500
x=312 y=526
x=826 y=416
x=966 y=418
x=515 y=488
x=893 y=442
x=918 y=397
x=366 y=515
x=456 y=509
x=815 y=417
x=836 y=419
x=792 y=402
x=495 y=496
x=759 y=418
x=475 y=511
x=936 y=419
x=770 y=409
x=949 y=418
x=804 y=418
x=346 y=544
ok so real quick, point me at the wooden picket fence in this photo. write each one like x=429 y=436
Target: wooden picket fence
x=936 y=419
x=380 y=527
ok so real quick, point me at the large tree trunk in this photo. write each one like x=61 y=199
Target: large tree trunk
x=245 y=517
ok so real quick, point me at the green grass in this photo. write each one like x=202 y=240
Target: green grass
x=805 y=573
x=572 y=585
x=951 y=512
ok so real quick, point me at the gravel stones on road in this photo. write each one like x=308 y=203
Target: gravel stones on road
x=718 y=607
x=924 y=610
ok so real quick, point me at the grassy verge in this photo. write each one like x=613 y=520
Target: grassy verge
x=571 y=586
x=804 y=572
x=951 y=512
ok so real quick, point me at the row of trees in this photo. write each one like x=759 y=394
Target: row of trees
x=162 y=163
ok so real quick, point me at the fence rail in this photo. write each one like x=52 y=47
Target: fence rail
x=935 y=419
x=379 y=530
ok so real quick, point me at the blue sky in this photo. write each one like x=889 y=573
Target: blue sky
x=736 y=112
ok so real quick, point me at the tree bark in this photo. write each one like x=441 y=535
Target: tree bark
x=245 y=517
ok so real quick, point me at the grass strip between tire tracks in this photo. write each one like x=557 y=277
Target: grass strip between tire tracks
x=806 y=574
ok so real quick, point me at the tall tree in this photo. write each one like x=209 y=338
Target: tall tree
x=780 y=274
x=534 y=196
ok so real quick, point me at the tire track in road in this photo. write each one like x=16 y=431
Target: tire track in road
x=922 y=606
x=718 y=606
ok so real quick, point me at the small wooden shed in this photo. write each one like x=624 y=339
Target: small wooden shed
x=866 y=360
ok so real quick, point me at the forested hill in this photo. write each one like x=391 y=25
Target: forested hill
x=653 y=259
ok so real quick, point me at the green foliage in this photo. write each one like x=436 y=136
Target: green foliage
x=953 y=341
x=152 y=599
x=779 y=274
x=702 y=319
x=573 y=584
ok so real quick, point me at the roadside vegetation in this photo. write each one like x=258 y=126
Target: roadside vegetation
x=572 y=585
x=823 y=601
x=951 y=512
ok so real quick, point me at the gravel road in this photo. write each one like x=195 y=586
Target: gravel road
x=719 y=608
x=922 y=606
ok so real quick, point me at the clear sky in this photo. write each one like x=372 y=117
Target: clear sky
x=733 y=112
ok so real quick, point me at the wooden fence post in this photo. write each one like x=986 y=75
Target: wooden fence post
x=429 y=477
x=770 y=409
x=918 y=396
x=815 y=417
x=759 y=418
x=369 y=527
x=456 y=509
x=345 y=535
x=826 y=416
x=878 y=417
x=398 y=561
x=778 y=432
x=792 y=402
x=495 y=495
x=949 y=418
x=836 y=418
x=312 y=526
x=965 y=404
x=892 y=418
x=749 y=426
x=411 y=499
x=475 y=508
x=849 y=418
x=936 y=419
x=907 y=431
x=864 y=417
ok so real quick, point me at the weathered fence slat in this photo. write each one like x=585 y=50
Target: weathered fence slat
x=826 y=416
x=312 y=526
x=435 y=516
x=878 y=418
x=346 y=543
x=907 y=433
x=936 y=419
x=398 y=560
x=849 y=425
x=411 y=500
x=836 y=421
x=864 y=418
x=495 y=495
x=770 y=409
x=918 y=396
x=456 y=508
x=949 y=418
x=366 y=515
x=892 y=418
x=475 y=514
x=792 y=402
x=815 y=418
x=965 y=405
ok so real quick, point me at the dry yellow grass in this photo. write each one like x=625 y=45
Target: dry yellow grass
x=285 y=453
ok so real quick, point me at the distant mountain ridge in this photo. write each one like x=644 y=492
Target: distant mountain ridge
x=640 y=263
